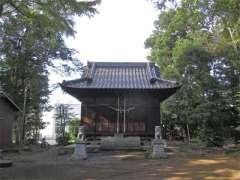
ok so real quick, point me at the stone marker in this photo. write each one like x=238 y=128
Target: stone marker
x=158 y=144
x=80 y=151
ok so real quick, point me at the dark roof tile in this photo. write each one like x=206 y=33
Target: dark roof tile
x=120 y=75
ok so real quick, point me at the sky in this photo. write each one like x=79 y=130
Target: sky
x=116 y=33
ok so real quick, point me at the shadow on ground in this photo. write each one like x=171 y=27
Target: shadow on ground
x=123 y=165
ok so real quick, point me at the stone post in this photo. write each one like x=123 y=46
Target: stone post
x=158 y=144
x=80 y=151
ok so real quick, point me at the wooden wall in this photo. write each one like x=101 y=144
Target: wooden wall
x=99 y=114
x=6 y=122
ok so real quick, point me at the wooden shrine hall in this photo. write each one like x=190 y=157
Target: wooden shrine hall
x=120 y=98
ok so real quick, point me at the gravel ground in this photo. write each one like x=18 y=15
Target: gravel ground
x=122 y=165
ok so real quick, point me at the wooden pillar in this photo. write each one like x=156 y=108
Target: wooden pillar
x=96 y=116
x=124 y=114
x=118 y=115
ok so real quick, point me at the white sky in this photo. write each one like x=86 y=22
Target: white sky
x=117 y=33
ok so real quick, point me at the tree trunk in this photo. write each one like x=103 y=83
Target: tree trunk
x=24 y=114
x=188 y=133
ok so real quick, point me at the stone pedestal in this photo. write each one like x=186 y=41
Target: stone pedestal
x=158 y=144
x=80 y=151
x=158 y=149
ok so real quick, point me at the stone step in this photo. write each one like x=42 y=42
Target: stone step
x=118 y=142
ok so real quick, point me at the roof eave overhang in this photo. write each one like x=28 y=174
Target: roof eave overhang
x=13 y=104
x=78 y=93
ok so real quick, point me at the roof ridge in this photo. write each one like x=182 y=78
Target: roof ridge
x=124 y=64
x=120 y=62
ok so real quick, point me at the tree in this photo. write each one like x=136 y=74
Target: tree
x=31 y=36
x=63 y=116
x=196 y=43
x=54 y=16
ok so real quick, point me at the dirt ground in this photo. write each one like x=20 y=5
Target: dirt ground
x=182 y=164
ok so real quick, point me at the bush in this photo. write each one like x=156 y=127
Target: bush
x=63 y=140
x=212 y=137
x=73 y=129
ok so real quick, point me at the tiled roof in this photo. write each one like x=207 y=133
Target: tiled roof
x=120 y=75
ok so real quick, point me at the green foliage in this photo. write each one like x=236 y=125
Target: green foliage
x=63 y=140
x=63 y=117
x=238 y=101
x=31 y=36
x=73 y=129
x=197 y=43
x=54 y=16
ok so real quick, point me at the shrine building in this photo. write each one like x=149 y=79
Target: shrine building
x=120 y=98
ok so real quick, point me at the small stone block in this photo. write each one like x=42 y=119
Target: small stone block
x=27 y=148
x=61 y=152
x=5 y=163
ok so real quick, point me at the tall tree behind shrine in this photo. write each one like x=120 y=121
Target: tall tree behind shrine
x=31 y=36
x=198 y=43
